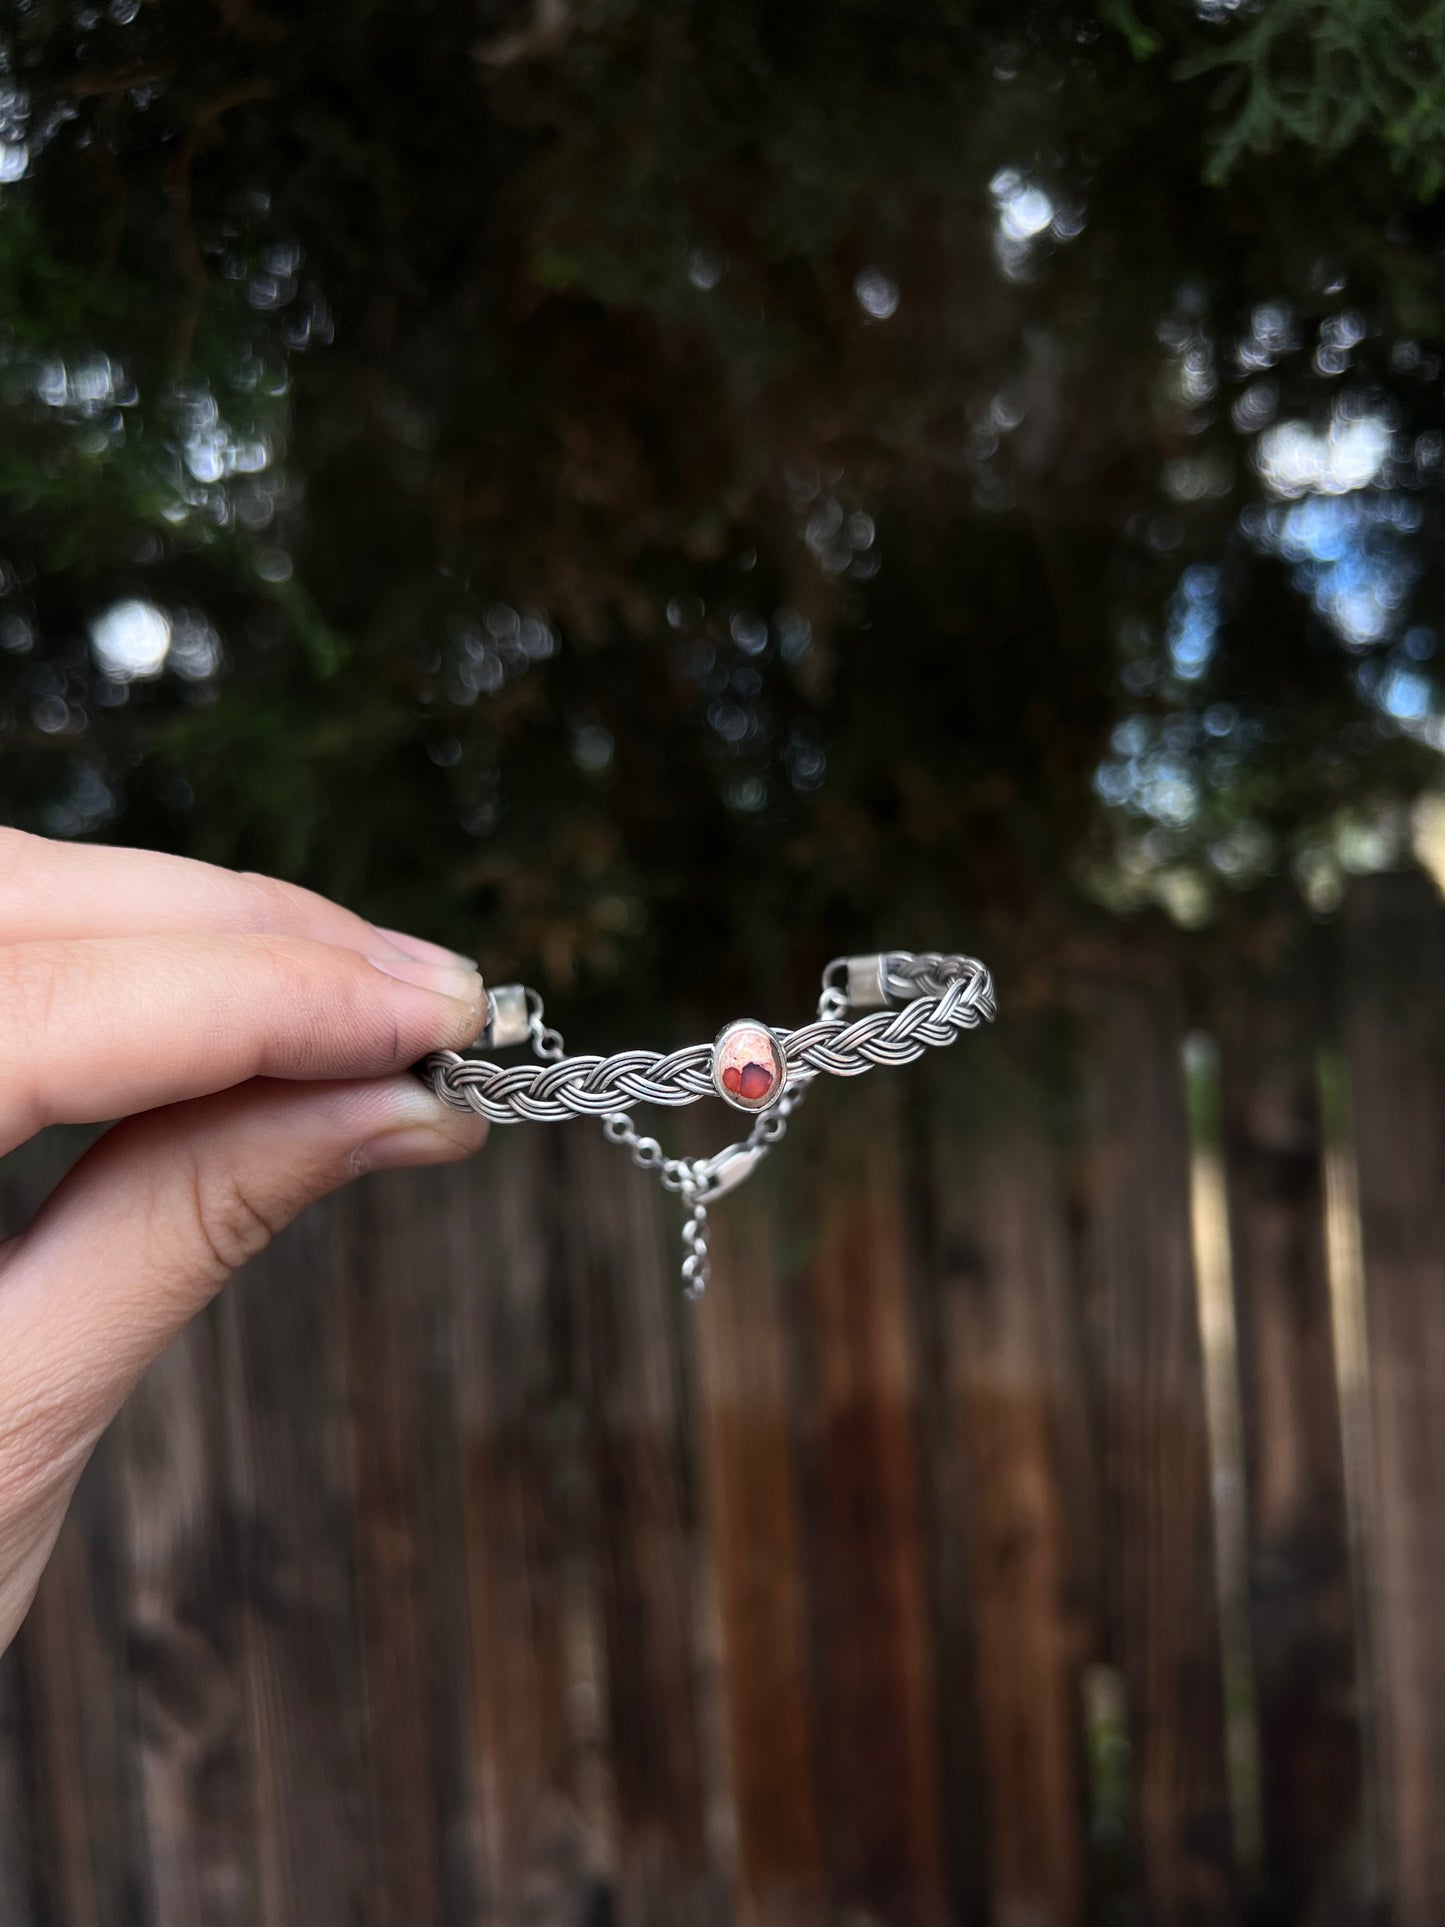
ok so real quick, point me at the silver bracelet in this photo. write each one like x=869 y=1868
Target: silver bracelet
x=909 y=1003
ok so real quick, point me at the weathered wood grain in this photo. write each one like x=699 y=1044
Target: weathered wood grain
x=1394 y=1031
x=1011 y=1364
x=1157 y=1538
x=189 y=1742
x=289 y=1503
x=749 y=1450
x=538 y=1858
x=75 y=1660
x=1301 y=1610
x=875 y=1669
x=400 y=1348
x=624 y=1306
x=17 y=1857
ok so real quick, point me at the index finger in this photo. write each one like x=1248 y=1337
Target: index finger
x=180 y=1017
x=54 y=891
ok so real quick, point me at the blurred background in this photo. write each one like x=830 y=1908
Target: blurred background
x=656 y=495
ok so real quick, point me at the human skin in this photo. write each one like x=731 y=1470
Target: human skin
x=252 y=1041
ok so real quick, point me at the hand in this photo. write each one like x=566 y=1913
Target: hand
x=253 y=1039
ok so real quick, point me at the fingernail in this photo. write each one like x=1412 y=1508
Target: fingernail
x=460 y=980
x=461 y=984
x=419 y=947
x=412 y=1144
x=409 y=1124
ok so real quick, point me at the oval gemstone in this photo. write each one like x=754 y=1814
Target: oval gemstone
x=748 y=1066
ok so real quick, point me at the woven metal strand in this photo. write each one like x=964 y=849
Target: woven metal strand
x=838 y=1047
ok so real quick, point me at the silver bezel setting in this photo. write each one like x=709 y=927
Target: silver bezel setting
x=779 y=1065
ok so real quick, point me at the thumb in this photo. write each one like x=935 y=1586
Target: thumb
x=136 y=1240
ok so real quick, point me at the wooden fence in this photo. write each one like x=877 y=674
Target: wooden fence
x=1041 y=1521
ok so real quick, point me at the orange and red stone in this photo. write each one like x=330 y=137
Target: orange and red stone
x=748 y=1066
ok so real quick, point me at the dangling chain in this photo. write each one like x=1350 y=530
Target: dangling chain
x=701 y=1181
x=910 y=1002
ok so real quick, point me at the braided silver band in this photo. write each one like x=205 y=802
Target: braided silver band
x=903 y=1003
x=946 y=996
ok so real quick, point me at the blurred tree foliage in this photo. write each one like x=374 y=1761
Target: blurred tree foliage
x=690 y=487
x=1330 y=73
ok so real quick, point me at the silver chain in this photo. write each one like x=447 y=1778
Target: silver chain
x=701 y=1181
x=909 y=1002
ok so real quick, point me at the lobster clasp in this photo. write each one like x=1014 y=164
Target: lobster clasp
x=716 y=1176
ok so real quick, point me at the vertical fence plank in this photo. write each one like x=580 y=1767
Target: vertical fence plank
x=401 y=1358
x=73 y=1643
x=624 y=1302
x=1162 y=1612
x=876 y=1665
x=16 y=1855
x=750 y=1461
x=289 y=1493
x=190 y=1740
x=518 y=1444
x=1011 y=1365
x=1301 y=1614
x=1395 y=1051
x=946 y=1477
